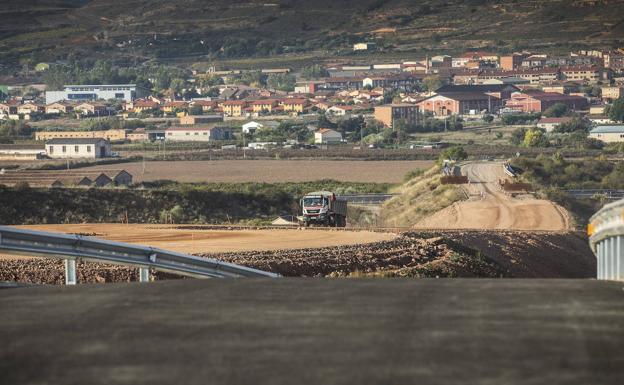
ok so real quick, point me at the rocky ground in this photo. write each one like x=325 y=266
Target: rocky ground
x=413 y=254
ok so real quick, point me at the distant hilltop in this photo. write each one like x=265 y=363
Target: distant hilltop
x=196 y=30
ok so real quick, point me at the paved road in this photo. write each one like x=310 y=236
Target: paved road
x=315 y=331
x=490 y=208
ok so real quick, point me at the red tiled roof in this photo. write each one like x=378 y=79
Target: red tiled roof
x=234 y=103
x=176 y=103
x=295 y=101
x=263 y=102
x=555 y=120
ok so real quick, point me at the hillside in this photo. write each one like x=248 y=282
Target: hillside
x=135 y=31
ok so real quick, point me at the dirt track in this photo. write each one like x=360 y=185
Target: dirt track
x=217 y=241
x=490 y=208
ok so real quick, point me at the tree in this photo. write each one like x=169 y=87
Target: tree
x=556 y=110
x=432 y=83
x=616 y=111
x=488 y=118
x=196 y=110
x=314 y=71
x=282 y=82
x=177 y=85
x=455 y=153
x=535 y=138
x=575 y=124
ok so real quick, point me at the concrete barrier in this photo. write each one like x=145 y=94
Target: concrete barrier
x=606 y=237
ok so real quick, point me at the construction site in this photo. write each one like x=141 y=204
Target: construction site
x=495 y=228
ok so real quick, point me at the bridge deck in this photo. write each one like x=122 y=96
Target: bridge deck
x=337 y=331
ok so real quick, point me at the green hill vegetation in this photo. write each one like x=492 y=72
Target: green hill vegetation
x=420 y=197
x=138 y=31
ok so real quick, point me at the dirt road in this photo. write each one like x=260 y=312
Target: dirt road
x=490 y=208
x=216 y=241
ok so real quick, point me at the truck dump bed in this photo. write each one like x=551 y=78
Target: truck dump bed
x=339 y=206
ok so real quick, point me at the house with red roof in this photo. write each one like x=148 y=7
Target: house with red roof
x=538 y=101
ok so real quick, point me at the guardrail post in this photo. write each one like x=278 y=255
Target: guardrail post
x=70 y=271
x=144 y=274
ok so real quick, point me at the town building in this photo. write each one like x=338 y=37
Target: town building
x=549 y=124
x=327 y=136
x=138 y=135
x=174 y=106
x=538 y=101
x=125 y=92
x=30 y=108
x=234 y=107
x=339 y=110
x=111 y=135
x=390 y=113
x=200 y=119
x=71 y=148
x=251 y=127
x=612 y=93
x=91 y=109
x=608 y=133
x=589 y=74
x=198 y=134
x=295 y=105
x=62 y=107
x=143 y=105
x=263 y=105
x=122 y=178
x=460 y=103
x=366 y=46
x=502 y=91
x=102 y=180
x=206 y=105
x=511 y=62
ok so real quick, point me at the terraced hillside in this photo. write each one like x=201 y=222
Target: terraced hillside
x=139 y=30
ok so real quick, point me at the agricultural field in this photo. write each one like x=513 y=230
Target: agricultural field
x=270 y=171
x=489 y=135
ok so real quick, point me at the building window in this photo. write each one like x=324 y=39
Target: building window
x=88 y=148
x=76 y=149
x=51 y=149
x=188 y=133
x=64 y=149
x=197 y=133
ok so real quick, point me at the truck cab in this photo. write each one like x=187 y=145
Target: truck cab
x=323 y=208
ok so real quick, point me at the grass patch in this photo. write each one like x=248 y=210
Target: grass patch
x=419 y=198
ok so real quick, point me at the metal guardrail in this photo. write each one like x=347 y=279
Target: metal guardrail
x=70 y=247
x=606 y=238
x=366 y=199
x=588 y=193
x=509 y=170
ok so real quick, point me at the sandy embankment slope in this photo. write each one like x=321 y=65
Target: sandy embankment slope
x=489 y=208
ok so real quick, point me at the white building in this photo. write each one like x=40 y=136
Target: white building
x=549 y=124
x=327 y=136
x=125 y=92
x=78 y=148
x=198 y=134
x=364 y=46
x=339 y=110
x=608 y=133
x=251 y=127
